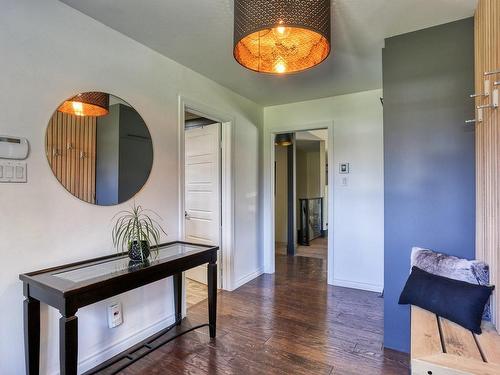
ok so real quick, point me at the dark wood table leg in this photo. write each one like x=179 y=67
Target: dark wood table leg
x=212 y=297
x=68 y=344
x=178 y=297
x=32 y=336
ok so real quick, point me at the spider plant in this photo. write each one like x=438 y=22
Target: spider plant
x=137 y=231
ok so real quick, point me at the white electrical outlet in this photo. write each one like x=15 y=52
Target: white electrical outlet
x=115 y=315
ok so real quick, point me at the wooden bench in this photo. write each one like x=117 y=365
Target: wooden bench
x=441 y=347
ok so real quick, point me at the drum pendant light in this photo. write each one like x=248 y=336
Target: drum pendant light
x=281 y=36
x=285 y=139
x=87 y=104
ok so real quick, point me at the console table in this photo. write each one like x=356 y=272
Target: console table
x=69 y=287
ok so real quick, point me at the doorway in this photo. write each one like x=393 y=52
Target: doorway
x=268 y=225
x=301 y=195
x=197 y=115
x=202 y=196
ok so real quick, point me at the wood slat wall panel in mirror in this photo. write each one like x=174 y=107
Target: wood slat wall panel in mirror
x=71 y=152
x=487 y=58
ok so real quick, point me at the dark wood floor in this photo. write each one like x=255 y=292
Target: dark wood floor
x=287 y=323
x=318 y=248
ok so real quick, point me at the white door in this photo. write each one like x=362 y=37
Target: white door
x=202 y=191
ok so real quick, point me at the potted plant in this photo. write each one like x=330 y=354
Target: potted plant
x=137 y=232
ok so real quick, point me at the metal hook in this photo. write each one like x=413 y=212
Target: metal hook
x=492 y=72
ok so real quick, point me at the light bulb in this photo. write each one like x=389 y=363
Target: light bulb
x=77 y=108
x=280 y=67
x=281 y=31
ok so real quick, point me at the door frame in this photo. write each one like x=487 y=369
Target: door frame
x=227 y=122
x=268 y=215
x=214 y=129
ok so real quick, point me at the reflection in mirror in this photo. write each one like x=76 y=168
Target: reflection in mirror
x=99 y=148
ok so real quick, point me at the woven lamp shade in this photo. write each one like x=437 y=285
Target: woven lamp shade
x=87 y=104
x=281 y=36
x=283 y=139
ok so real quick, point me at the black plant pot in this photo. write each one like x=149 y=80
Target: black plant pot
x=137 y=265
x=134 y=251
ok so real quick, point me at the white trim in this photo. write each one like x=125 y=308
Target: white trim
x=119 y=346
x=268 y=206
x=358 y=285
x=227 y=184
x=227 y=212
x=331 y=195
x=245 y=279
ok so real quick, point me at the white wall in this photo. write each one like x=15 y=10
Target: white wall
x=358 y=225
x=314 y=174
x=51 y=52
x=323 y=183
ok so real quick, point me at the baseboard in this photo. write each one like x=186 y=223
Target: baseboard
x=115 y=348
x=245 y=279
x=358 y=285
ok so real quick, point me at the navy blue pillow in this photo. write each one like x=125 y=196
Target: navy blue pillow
x=455 y=300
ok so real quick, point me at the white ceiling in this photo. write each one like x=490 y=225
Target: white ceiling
x=313 y=135
x=198 y=34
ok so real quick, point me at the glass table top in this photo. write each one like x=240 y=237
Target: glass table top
x=112 y=266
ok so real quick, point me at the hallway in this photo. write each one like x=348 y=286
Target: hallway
x=288 y=323
x=318 y=248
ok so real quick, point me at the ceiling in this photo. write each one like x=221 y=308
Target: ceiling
x=310 y=138
x=198 y=34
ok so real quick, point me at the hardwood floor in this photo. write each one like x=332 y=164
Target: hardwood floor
x=288 y=323
x=195 y=292
x=318 y=248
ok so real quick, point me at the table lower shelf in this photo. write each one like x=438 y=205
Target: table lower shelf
x=121 y=361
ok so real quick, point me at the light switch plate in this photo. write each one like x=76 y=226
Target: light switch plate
x=13 y=171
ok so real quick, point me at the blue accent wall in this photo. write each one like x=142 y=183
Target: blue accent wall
x=428 y=155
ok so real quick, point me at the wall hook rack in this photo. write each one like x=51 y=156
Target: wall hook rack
x=478 y=119
x=492 y=72
x=486 y=92
x=494 y=101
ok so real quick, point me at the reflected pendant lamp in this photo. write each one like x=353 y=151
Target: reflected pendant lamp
x=281 y=36
x=87 y=104
x=285 y=139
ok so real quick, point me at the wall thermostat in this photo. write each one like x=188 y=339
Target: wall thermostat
x=15 y=148
x=344 y=168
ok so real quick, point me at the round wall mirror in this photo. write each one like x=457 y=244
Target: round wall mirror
x=99 y=148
